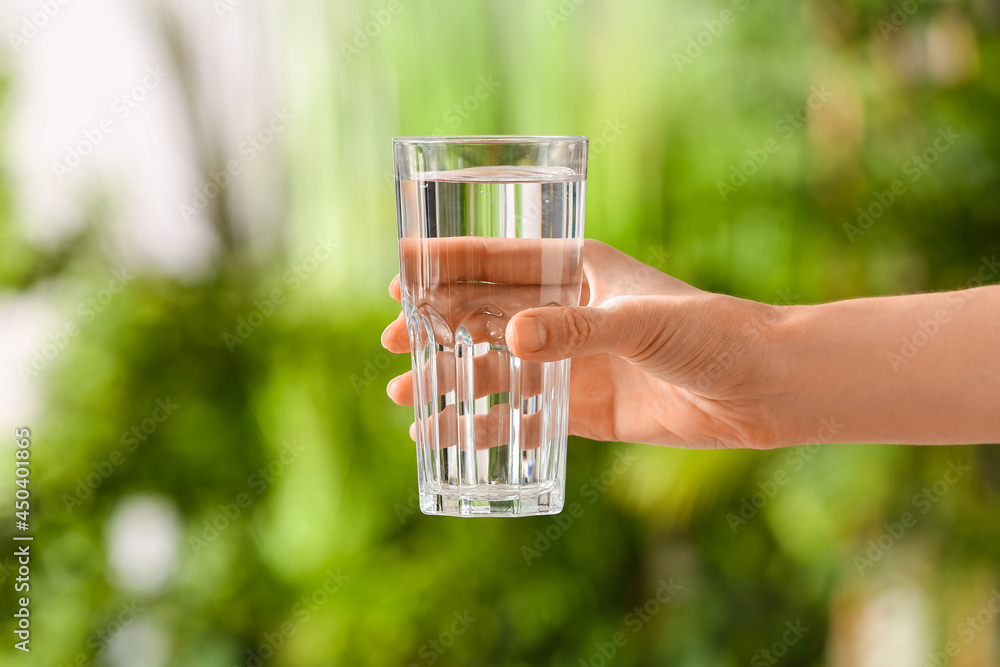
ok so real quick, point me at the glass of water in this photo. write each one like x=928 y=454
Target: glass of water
x=488 y=226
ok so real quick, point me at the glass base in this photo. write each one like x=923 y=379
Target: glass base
x=492 y=500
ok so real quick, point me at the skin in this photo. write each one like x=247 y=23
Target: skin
x=658 y=361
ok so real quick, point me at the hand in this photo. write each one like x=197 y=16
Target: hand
x=654 y=359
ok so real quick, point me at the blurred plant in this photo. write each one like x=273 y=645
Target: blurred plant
x=311 y=372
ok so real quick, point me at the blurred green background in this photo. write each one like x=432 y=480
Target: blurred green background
x=218 y=477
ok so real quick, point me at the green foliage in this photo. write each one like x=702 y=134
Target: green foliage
x=666 y=133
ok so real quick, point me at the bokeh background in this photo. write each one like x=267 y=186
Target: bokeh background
x=196 y=235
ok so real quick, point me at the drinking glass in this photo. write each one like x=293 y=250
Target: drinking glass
x=488 y=226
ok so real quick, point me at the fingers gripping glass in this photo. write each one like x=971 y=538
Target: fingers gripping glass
x=488 y=226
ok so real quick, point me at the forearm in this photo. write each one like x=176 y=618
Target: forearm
x=918 y=369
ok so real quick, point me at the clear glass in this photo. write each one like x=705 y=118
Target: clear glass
x=488 y=226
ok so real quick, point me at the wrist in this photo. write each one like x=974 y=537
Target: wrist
x=758 y=352
x=804 y=397
x=779 y=365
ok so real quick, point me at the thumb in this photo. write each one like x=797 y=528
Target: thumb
x=561 y=332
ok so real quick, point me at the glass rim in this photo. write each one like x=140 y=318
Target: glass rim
x=473 y=139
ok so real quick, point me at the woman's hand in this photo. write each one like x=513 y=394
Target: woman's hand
x=654 y=359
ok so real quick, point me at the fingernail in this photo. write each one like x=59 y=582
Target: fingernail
x=530 y=334
x=388 y=387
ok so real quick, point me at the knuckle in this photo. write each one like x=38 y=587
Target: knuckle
x=642 y=337
x=576 y=330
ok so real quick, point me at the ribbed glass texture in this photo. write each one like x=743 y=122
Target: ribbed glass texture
x=488 y=226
